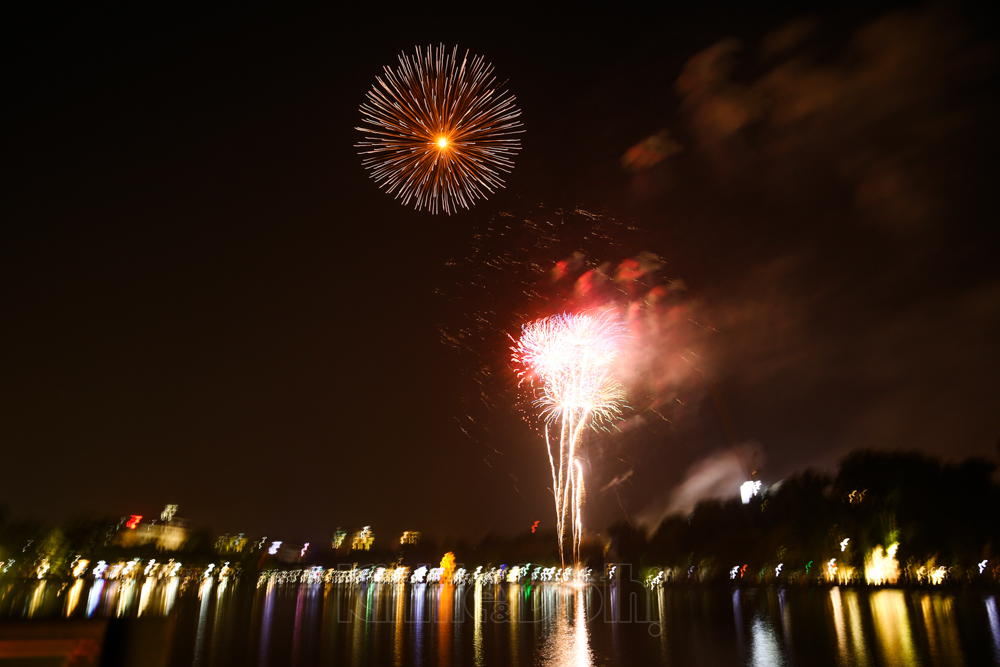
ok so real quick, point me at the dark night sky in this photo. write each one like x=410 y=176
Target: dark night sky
x=206 y=301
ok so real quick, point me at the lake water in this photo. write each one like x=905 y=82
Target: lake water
x=278 y=624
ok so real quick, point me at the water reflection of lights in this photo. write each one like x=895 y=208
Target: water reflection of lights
x=170 y=595
x=477 y=631
x=765 y=650
x=892 y=627
x=94 y=597
x=847 y=624
x=527 y=624
x=144 y=595
x=991 y=611
x=445 y=621
x=73 y=597
x=205 y=595
x=399 y=602
x=126 y=590
x=266 y=621
x=37 y=596
x=567 y=643
x=942 y=633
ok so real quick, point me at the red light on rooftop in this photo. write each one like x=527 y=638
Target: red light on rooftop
x=134 y=521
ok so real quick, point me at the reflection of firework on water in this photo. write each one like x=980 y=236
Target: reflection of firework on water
x=570 y=356
x=439 y=132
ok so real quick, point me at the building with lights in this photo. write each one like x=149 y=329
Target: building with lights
x=170 y=536
x=363 y=539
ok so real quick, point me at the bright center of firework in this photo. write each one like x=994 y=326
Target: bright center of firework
x=442 y=142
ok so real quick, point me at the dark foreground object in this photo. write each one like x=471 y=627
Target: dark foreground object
x=127 y=642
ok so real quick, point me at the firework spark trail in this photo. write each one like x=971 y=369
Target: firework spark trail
x=571 y=357
x=440 y=132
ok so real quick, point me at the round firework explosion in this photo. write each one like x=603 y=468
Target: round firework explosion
x=439 y=130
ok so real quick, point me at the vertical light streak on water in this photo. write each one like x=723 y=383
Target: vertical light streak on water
x=73 y=597
x=942 y=633
x=477 y=628
x=205 y=595
x=145 y=594
x=300 y=604
x=375 y=623
x=458 y=619
x=126 y=591
x=661 y=610
x=419 y=596
x=991 y=611
x=37 y=596
x=843 y=653
x=111 y=597
x=786 y=620
x=537 y=613
x=857 y=633
x=399 y=596
x=615 y=619
x=765 y=649
x=265 y=622
x=568 y=640
x=314 y=618
x=444 y=620
x=738 y=620
x=513 y=602
x=217 y=623
x=329 y=637
x=170 y=595
x=582 y=654
x=929 y=626
x=371 y=606
x=358 y=626
x=892 y=627
x=94 y=597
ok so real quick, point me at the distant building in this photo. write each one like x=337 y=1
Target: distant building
x=410 y=537
x=363 y=539
x=170 y=536
x=338 y=538
x=231 y=544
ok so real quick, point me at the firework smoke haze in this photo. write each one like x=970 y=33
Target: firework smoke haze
x=439 y=130
x=571 y=357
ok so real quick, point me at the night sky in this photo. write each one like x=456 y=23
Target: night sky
x=206 y=301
